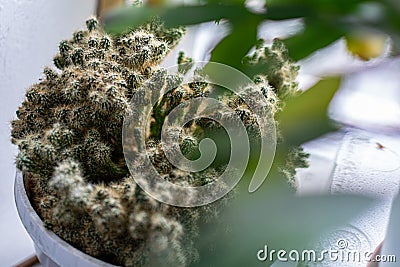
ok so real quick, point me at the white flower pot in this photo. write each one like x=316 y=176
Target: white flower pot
x=52 y=251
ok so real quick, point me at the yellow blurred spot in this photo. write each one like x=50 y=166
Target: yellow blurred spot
x=366 y=45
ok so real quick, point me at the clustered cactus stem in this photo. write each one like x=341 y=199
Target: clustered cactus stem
x=69 y=135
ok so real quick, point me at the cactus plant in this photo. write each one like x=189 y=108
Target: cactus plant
x=69 y=135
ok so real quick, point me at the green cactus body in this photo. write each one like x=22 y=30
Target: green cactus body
x=69 y=136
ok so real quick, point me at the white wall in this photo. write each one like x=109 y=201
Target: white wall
x=29 y=34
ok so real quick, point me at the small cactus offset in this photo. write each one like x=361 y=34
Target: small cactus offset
x=69 y=135
x=279 y=71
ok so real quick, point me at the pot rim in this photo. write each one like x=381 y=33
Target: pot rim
x=47 y=241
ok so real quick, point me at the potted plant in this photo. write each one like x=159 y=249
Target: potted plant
x=74 y=180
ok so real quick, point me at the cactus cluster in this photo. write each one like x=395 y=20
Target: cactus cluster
x=69 y=132
x=69 y=135
x=279 y=74
x=278 y=70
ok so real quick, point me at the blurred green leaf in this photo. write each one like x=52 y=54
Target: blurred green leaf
x=229 y=2
x=289 y=12
x=122 y=19
x=188 y=15
x=281 y=222
x=305 y=117
x=339 y=7
x=242 y=39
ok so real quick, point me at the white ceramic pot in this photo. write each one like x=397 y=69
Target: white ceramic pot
x=391 y=245
x=52 y=251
